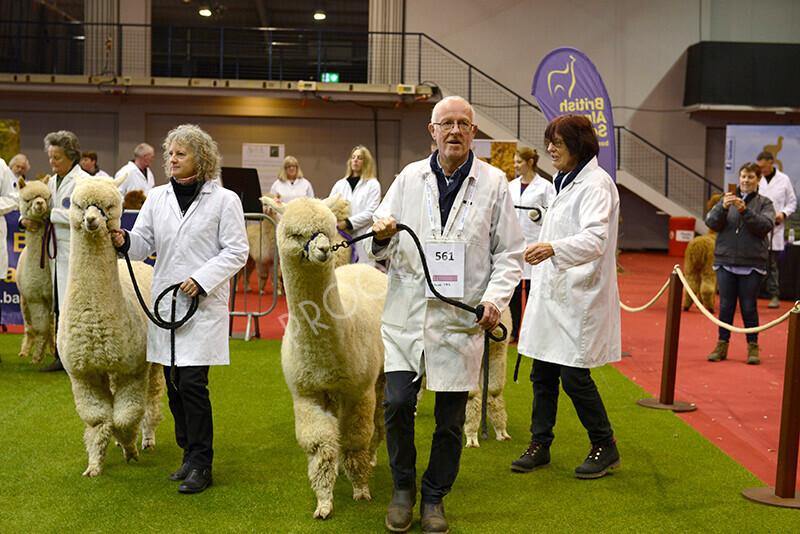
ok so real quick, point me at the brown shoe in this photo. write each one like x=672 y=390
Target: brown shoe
x=752 y=353
x=432 y=518
x=720 y=352
x=55 y=366
x=400 y=513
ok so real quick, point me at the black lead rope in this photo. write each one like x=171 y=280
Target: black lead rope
x=478 y=311
x=170 y=325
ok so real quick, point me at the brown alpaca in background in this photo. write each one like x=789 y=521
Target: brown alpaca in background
x=698 y=266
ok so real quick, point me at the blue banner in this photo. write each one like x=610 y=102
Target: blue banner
x=568 y=82
x=9 y=294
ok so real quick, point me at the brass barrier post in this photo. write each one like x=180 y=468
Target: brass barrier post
x=670 y=361
x=783 y=494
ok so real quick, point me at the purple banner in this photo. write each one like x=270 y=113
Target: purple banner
x=10 y=312
x=568 y=82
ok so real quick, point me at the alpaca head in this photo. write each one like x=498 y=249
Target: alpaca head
x=341 y=209
x=33 y=198
x=96 y=205
x=305 y=231
x=266 y=208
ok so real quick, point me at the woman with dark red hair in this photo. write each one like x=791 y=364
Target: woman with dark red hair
x=571 y=322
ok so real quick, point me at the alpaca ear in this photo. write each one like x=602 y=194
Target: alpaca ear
x=332 y=200
x=21 y=182
x=46 y=179
x=118 y=181
x=269 y=202
x=78 y=180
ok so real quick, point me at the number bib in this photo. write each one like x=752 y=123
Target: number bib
x=446 y=265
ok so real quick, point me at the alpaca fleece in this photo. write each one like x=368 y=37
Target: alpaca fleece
x=102 y=335
x=332 y=351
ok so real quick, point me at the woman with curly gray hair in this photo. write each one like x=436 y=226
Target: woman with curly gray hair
x=64 y=152
x=196 y=229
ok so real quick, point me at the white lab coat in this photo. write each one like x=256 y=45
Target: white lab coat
x=412 y=323
x=9 y=201
x=539 y=192
x=363 y=200
x=60 y=202
x=288 y=191
x=572 y=315
x=136 y=180
x=780 y=191
x=208 y=244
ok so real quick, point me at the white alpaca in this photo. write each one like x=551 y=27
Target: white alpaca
x=496 y=405
x=332 y=351
x=102 y=331
x=33 y=275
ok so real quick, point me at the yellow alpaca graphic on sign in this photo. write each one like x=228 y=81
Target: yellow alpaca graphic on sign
x=775 y=149
x=569 y=76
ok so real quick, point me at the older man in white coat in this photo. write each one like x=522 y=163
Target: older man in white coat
x=8 y=202
x=572 y=319
x=140 y=177
x=777 y=187
x=461 y=209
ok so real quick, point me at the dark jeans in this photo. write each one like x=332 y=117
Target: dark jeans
x=450 y=413
x=745 y=289
x=580 y=387
x=516 y=306
x=191 y=407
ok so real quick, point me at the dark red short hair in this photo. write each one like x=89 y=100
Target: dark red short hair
x=578 y=134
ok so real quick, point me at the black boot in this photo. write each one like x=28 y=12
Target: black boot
x=400 y=513
x=599 y=461
x=196 y=481
x=536 y=456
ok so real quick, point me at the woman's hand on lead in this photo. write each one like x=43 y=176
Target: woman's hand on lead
x=190 y=288
x=117 y=237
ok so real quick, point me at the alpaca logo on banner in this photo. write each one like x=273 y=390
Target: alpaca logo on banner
x=566 y=81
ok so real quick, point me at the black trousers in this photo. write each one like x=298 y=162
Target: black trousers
x=580 y=387
x=191 y=407
x=450 y=413
x=516 y=306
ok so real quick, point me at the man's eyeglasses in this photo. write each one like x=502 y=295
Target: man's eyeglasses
x=558 y=143
x=447 y=126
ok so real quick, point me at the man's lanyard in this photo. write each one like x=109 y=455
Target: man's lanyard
x=435 y=229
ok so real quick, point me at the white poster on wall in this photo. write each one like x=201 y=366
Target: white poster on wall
x=266 y=158
x=744 y=142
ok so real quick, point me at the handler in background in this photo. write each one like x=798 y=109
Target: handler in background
x=64 y=154
x=196 y=228
x=461 y=210
x=571 y=321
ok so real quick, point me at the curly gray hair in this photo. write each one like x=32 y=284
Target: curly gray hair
x=66 y=141
x=207 y=159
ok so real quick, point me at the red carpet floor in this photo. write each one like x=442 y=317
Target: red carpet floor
x=738 y=405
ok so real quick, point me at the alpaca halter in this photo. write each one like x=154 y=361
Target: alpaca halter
x=305 y=248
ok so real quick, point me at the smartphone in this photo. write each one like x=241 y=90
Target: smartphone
x=732 y=189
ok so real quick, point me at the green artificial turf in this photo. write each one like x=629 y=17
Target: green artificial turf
x=671 y=480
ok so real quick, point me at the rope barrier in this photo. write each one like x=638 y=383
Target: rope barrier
x=653 y=301
x=677 y=269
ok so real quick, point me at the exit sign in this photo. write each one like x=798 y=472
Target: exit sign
x=330 y=77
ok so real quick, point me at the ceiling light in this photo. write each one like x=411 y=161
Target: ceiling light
x=319 y=14
x=205 y=11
